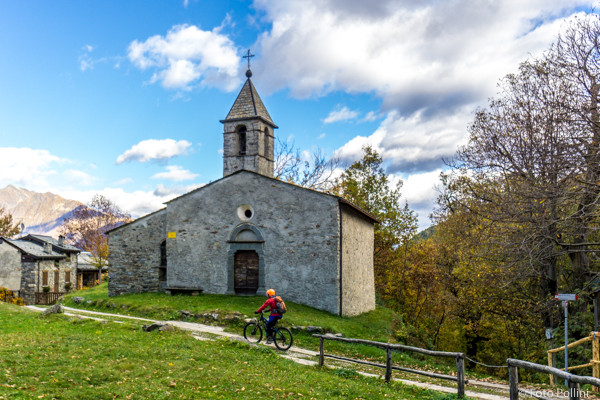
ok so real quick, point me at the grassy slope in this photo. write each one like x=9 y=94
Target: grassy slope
x=63 y=358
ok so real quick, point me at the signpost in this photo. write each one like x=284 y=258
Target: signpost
x=565 y=298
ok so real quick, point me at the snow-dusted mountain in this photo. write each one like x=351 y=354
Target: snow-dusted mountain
x=40 y=212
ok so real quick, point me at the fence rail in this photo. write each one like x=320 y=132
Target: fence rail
x=389 y=348
x=594 y=337
x=573 y=380
x=47 y=298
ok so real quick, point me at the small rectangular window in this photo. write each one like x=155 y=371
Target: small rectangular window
x=67 y=276
x=45 y=278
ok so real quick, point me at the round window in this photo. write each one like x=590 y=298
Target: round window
x=245 y=212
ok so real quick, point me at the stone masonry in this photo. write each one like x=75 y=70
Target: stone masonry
x=135 y=255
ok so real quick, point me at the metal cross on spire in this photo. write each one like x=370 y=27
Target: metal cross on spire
x=248 y=56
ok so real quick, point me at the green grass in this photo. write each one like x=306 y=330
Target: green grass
x=67 y=358
x=376 y=325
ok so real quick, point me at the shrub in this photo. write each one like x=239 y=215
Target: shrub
x=8 y=296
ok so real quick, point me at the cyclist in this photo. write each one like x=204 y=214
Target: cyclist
x=275 y=316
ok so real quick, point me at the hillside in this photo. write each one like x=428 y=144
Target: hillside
x=40 y=212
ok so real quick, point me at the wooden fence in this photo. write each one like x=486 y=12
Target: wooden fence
x=389 y=348
x=573 y=380
x=47 y=298
x=594 y=362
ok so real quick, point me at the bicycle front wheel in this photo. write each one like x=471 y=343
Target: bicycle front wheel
x=253 y=332
x=283 y=338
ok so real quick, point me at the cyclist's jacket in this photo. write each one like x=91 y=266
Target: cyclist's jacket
x=273 y=305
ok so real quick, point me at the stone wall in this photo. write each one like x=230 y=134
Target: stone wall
x=300 y=229
x=358 y=281
x=28 y=282
x=135 y=255
x=63 y=266
x=10 y=266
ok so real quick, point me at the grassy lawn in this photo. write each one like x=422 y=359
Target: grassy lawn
x=68 y=358
x=376 y=325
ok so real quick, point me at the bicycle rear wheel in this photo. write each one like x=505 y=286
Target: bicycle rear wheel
x=283 y=338
x=253 y=332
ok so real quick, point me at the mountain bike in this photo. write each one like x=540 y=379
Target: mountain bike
x=253 y=332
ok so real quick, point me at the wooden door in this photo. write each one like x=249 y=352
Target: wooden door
x=245 y=272
x=56 y=280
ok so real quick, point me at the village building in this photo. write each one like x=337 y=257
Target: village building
x=248 y=232
x=88 y=273
x=37 y=268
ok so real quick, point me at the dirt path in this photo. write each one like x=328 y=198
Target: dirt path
x=296 y=354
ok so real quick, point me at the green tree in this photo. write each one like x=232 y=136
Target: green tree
x=8 y=228
x=366 y=184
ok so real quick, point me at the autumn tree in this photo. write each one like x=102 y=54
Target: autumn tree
x=8 y=228
x=531 y=168
x=87 y=226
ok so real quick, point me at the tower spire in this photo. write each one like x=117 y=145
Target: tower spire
x=248 y=137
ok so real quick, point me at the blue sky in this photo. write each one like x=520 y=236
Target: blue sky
x=124 y=98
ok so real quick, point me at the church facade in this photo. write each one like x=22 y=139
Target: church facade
x=248 y=232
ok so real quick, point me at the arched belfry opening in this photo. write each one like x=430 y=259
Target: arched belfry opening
x=241 y=136
x=246 y=261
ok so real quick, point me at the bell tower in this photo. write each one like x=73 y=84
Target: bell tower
x=249 y=133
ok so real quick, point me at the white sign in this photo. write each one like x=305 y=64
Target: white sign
x=566 y=297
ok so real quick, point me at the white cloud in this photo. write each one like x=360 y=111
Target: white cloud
x=175 y=173
x=123 y=181
x=421 y=193
x=340 y=114
x=76 y=177
x=414 y=55
x=412 y=144
x=371 y=116
x=188 y=55
x=153 y=149
x=431 y=63
x=26 y=167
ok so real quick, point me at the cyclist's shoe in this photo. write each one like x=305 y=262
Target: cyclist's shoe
x=269 y=340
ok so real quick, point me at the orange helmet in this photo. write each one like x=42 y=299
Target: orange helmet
x=270 y=292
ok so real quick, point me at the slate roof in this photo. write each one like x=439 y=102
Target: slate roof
x=248 y=105
x=85 y=262
x=54 y=242
x=33 y=249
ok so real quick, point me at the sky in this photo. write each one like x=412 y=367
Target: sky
x=124 y=98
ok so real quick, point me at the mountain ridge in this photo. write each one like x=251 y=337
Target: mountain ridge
x=41 y=213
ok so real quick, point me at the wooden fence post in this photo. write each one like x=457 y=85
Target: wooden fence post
x=573 y=390
x=513 y=382
x=595 y=358
x=460 y=375
x=551 y=365
x=388 y=364
x=321 y=351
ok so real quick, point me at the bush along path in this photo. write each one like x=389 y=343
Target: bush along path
x=296 y=354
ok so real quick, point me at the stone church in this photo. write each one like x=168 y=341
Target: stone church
x=248 y=232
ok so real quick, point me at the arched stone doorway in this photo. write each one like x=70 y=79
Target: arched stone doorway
x=246 y=264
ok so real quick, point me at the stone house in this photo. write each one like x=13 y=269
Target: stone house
x=248 y=232
x=33 y=262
